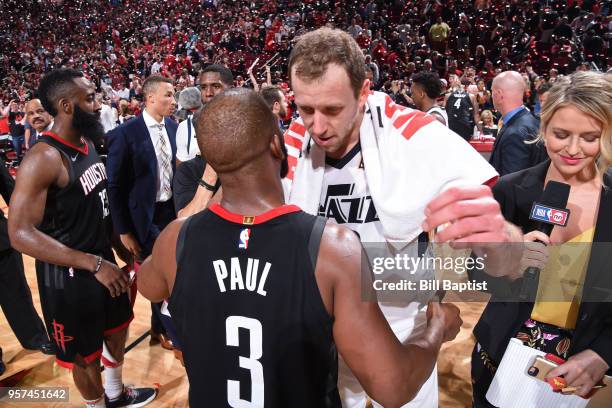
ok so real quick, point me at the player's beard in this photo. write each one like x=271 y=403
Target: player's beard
x=88 y=125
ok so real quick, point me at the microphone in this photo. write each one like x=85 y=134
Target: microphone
x=550 y=211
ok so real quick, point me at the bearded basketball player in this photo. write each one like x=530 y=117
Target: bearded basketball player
x=60 y=216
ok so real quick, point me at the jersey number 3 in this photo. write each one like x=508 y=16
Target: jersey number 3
x=232 y=326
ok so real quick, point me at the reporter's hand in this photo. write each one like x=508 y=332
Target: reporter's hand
x=535 y=251
x=131 y=244
x=111 y=276
x=447 y=315
x=583 y=370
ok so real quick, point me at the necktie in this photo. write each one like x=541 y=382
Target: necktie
x=165 y=159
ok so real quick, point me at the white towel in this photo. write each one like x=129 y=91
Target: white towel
x=409 y=158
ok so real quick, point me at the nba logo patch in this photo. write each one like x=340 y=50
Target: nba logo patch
x=245 y=234
x=550 y=215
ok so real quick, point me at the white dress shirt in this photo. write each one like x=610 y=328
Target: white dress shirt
x=153 y=127
x=182 y=136
x=108 y=118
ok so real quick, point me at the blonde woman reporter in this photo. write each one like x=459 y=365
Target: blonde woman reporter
x=575 y=127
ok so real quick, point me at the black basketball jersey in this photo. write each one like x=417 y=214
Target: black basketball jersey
x=459 y=109
x=250 y=319
x=78 y=215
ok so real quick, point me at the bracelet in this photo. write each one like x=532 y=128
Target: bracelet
x=98 y=265
x=210 y=187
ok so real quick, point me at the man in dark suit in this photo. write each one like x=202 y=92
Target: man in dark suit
x=140 y=166
x=510 y=152
x=15 y=296
x=39 y=119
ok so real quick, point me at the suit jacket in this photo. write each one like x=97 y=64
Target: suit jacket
x=132 y=176
x=500 y=321
x=510 y=152
x=7 y=183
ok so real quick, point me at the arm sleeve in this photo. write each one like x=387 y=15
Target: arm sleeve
x=601 y=346
x=118 y=180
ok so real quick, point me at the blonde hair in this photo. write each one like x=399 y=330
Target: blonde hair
x=124 y=108
x=591 y=93
x=487 y=113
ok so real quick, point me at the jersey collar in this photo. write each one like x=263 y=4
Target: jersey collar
x=81 y=149
x=253 y=219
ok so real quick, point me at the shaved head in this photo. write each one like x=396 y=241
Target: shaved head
x=510 y=81
x=508 y=89
x=235 y=129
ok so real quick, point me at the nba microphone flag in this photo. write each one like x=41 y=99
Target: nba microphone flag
x=550 y=215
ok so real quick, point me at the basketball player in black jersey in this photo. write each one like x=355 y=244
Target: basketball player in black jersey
x=461 y=108
x=263 y=293
x=60 y=216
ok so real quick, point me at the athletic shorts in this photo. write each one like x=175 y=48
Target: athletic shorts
x=79 y=311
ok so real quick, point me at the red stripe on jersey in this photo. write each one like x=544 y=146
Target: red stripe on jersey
x=293 y=141
x=420 y=120
x=255 y=219
x=401 y=120
x=83 y=149
x=390 y=110
x=297 y=128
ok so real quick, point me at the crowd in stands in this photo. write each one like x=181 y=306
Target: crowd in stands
x=118 y=43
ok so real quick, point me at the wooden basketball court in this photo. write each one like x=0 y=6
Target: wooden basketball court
x=153 y=366
x=149 y=365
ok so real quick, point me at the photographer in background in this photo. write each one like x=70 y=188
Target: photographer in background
x=399 y=92
x=16 y=129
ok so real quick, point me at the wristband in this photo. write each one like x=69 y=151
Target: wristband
x=98 y=265
x=210 y=187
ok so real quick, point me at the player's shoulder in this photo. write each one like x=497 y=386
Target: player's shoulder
x=42 y=154
x=169 y=236
x=43 y=162
x=340 y=240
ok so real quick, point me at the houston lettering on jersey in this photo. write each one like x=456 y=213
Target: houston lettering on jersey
x=93 y=176
x=252 y=280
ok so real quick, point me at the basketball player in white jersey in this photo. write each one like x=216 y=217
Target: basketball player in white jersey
x=331 y=93
x=425 y=89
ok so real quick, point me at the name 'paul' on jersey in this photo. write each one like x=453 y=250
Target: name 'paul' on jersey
x=77 y=215
x=250 y=319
